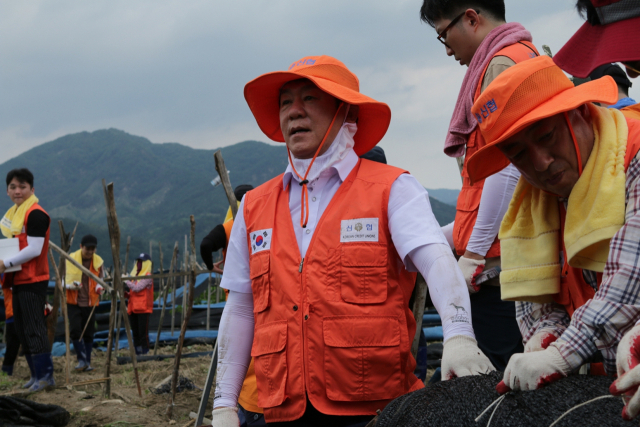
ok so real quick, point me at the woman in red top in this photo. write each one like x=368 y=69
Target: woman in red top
x=140 y=303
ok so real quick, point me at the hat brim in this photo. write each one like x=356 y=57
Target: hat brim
x=263 y=96
x=489 y=159
x=594 y=45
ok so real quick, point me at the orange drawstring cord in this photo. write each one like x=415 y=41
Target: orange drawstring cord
x=304 y=196
x=575 y=144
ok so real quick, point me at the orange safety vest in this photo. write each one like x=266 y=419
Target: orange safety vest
x=574 y=290
x=8 y=301
x=141 y=302
x=36 y=269
x=469 y=197
x=94 y=298
x=336 y=327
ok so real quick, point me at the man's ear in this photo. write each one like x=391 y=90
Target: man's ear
x=352 y=115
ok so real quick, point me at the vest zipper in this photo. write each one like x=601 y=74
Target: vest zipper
x=301 y=263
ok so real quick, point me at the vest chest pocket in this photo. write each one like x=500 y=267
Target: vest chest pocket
x=269 y=342
x=362 y=358
x=363 y=276
x=259 y=274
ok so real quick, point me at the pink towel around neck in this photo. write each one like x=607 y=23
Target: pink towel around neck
x=462 y=121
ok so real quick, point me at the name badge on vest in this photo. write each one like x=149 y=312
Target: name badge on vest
x=359 y=230
x=261 y=240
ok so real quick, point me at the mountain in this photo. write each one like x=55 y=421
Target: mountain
x=156 y=186
x=445 y=195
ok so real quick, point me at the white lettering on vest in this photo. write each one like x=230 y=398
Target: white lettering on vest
x=359 y=230
x=261 y=240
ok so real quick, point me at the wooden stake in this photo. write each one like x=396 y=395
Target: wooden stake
x=64 y=313
x=226 y=183
x=114 y=236
x=88 y=321
x=420 y=297
x=112 y=320
x=183 y=330
x=165 y=291
x=126 y=255
x=208 y=300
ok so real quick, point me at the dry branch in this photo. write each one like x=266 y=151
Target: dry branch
x=226 y=183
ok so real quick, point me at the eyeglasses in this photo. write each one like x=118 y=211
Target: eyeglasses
x=443 y=34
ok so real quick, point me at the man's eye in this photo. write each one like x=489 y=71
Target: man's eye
x=285 y=102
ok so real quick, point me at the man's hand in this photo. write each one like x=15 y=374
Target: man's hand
x=540 y=341
x=216 y=267
x=461 y=357
x=471 y=265
x=627 y=361
x=74 y=286
x=530 y=371
x=99 y=289
x=225 y=417
x=2 y=267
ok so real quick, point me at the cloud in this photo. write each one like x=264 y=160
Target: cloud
x=174 y=71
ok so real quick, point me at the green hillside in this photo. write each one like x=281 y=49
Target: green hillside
x=157 y=186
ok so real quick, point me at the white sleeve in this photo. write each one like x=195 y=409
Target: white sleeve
x=447 y=230
x=235 y=337
x=447 y=288
x=496 y=196
x=411 y=220
x=32 y=250
x=236 y=276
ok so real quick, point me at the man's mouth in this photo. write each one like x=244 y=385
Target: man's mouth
x=555 y=178
x=297 y=130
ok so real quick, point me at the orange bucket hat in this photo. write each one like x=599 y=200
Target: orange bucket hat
x=522 y=95
x=331 y=76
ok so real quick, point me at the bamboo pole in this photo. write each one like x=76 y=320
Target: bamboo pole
x=66 y=317
x=165 y=293
x=226 y=183
x=158 y=275
x=126 y=255
x=183 y=330
x=114 y=235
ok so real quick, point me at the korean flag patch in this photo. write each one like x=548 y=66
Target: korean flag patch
x=261 y=240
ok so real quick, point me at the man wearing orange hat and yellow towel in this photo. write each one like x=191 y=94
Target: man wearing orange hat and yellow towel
x=321 y=260
x=571 y=236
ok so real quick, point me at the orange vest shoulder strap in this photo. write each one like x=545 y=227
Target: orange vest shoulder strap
x=227 y=229
x=632 y=111
x=633 y=140
x=378 y=172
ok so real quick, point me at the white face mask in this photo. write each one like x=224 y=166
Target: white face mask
x=336 y=152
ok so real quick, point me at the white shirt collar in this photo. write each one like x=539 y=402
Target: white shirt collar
x=342 y=167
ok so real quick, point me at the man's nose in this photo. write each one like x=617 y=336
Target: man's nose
x=296 y=109
x=449 y=51
x=540 y=158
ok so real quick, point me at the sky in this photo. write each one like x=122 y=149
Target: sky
x=174 y=71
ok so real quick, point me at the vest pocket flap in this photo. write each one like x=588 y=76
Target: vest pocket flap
x=469 y=198
x=361 y=331
x=364 y=255
x=269 y=338
x=258 y=264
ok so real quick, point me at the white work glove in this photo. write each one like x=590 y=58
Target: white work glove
x=530 y=371
x=628 y=367
x=225 y=417
x=471 y=268
x=540 y=341
x=461 y=357
x=99 y=289
x=74 y=286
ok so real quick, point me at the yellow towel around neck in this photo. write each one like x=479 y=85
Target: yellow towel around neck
x=73 y=273
x=529 y=233
x=145 y=270
x=13 y=221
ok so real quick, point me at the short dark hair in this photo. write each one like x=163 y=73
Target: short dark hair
x=434 y=10
x=22 y=175
x=588 y=11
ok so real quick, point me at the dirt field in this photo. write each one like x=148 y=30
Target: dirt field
x=88 y=406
